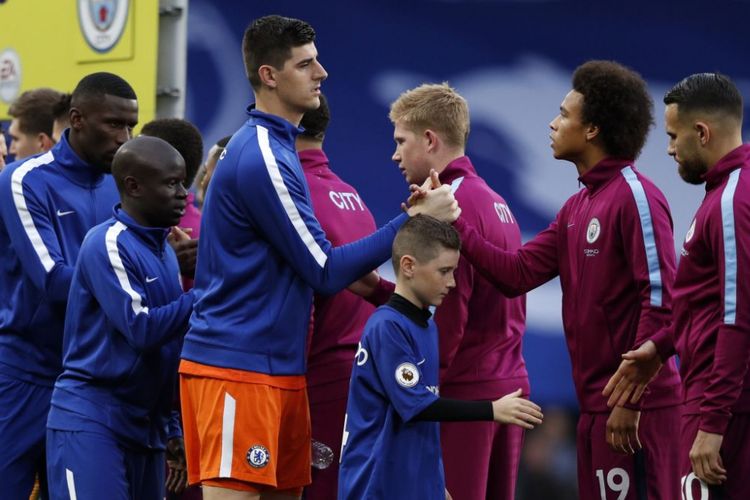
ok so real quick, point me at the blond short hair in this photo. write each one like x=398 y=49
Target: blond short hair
x=435 y=106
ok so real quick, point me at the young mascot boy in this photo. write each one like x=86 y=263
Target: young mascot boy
x=394 y=405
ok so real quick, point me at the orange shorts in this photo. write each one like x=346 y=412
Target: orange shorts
x=245 y=427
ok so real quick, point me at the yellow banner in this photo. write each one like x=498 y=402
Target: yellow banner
x=54 y=43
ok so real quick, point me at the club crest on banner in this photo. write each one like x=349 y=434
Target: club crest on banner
x=102 y=22
x=10 y=75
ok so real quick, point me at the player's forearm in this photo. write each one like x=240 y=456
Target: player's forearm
x=456 y=410
x=150 y=330
x=508 y=271
x=58 y=282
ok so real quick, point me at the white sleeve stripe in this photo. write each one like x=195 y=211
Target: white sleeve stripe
x=71 y=484
x=16 y=182
x=730 y=248
x=286 y=199
x=649 y=237
x=115 y=261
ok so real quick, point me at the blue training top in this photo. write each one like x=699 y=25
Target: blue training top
x=48 y=203
x=123 y=334
x=395 y=377
x=263 y=252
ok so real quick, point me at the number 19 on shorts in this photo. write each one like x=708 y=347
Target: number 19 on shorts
x=617 y=481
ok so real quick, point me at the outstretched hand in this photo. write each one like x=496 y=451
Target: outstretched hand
x=637 y=369
x=516 y=410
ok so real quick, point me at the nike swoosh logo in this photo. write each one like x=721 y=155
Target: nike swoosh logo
x=151 y=280
x=60 y=213
x=423 y=360
x=571 y=225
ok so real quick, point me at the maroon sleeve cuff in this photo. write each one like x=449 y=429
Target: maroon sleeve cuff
x=382 y=293
x=664 y=343
x=714 y=423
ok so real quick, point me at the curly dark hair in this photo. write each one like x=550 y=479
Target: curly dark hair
x=616 y=99
x=184 y=137
x=269 y=40
x=315 y=122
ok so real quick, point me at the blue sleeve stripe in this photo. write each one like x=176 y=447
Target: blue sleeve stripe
x=115 y=261
x=649 y=239
x=286 y=199
x=24 y=214
x=730 y=248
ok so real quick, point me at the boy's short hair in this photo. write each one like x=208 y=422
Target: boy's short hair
x=706 y=92
x=434 y=106
x=269 y=40
x=615 y=99
x=423 y=237
x=34 y=110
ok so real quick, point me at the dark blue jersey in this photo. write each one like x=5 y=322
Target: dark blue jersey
x=395 y=377
x=48 y=203
x=123 y=331
x=263 y=253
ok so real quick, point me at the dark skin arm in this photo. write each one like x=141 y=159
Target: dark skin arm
x=177 y=475
x=186 y=250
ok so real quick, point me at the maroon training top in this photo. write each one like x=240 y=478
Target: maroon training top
x=612 y=246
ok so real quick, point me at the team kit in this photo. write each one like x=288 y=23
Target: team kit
x=138 y=357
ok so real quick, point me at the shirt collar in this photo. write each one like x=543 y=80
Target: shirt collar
x=72 y=166
x=733 y=160
x=312 y=159
x=414 y=313
x=460 y=167
x=281 y=128
x=603 y=172
x=154 y=237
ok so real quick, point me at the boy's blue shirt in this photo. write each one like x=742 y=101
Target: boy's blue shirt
x=395 y=377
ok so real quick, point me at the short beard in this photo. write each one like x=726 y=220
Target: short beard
x=692 y=172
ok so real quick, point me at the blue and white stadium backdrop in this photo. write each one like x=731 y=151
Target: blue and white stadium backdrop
x=513 y=62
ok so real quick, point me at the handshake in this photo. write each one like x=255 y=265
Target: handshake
x=433 y=199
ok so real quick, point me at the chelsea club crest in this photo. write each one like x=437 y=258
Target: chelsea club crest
x=102 y=22
x=258 y=456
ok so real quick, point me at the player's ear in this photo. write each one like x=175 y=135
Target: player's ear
x=76 y=118
x=592 y=131
x=267 y=74
x=703 y=131
x=406 y=266
x=431 y=139
x=132 y=187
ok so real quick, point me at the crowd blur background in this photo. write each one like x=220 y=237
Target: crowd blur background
x=512 y=60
